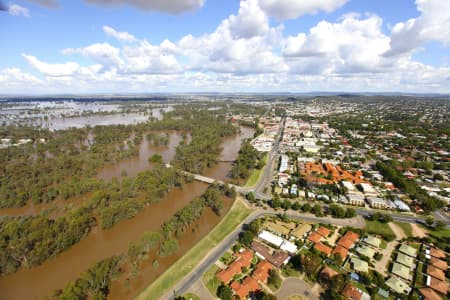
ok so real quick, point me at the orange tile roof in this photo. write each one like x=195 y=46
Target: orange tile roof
x=348 y=239
x=323 y=248
x=328 y=272
x=435 y=272
x=429 y=294
x=262 y=270
x=341 y=251
x=437 y=253
x=352 y=292
x=439 y=286
x=243 y=259
x=249 y=284
x=440 y=264
x=315 y=237
x=323 y=231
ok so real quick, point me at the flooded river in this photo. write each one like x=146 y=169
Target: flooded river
x=41 y=281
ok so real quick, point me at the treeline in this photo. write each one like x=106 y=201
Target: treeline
x=62 y=166
x=93 y=284
x=248 y=159
x=157 y=140
x=207 y=131
x=390 y=172
x=96 y=281
x=29 y=241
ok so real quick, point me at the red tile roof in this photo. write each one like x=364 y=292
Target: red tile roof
x=328 y=272
x=243 y=259
x=323 y=231
x=348 y=240
x=343 y=252
x=429 y=294
x=262 y=270
x=351 y=292
x=315 y=237
x=438 y=285
x=323 y=248
x=437 y=253
x=440 y=264
x=435 y=272
x=249 y=284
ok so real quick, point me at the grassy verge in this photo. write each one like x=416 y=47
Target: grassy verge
x=256 y=174
x=406 y=227
x=185 y=264
x=210 y=280
x=191 y=296
x=382 y=229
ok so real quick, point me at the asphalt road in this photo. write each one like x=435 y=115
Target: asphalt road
x=183 y=286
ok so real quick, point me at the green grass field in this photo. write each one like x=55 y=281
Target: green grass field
x=254 y=177
x=382 y=229
x=210 y=280
x=186 y=263
x=406 y=227
x=191 y=296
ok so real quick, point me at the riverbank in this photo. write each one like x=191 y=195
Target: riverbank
x=256 y=174
x=193 y=257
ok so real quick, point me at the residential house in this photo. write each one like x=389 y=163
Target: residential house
x=341 y=251
x=406 y=260
x=437 y=285
x=243 y=259
x=348 y=240
x=429 y=294
x=376 y=202
x=354 y=293
x=435 y=272
x=356 y=199
x=359 y=265
x=323 y=231
x=366 y=251
x=323 y=248
x=372 y=241
x=249 y=284
x=398 y=285
x=262 y=271
x=328 y=273
x=408 y=250
x=315 y=237
x=437 y=263
x=276 y=258
x=401 y=271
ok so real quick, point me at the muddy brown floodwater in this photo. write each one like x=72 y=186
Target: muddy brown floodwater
x=55 y=273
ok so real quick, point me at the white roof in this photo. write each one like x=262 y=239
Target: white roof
x=289 y=247
x=271 y=238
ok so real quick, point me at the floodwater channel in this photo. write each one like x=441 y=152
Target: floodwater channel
x=57 y=272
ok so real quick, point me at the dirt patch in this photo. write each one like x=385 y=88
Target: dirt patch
x=417 y=231
x=397 y=230
x=296 y=297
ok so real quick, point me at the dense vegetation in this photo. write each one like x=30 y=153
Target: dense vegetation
x=247 y=160
x=96 y=281
x=390 y=172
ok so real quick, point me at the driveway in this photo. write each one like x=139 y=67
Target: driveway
x=295 y=286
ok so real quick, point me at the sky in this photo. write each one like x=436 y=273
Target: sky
x=170 y=46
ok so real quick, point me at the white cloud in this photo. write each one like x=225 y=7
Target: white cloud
x=251 y=20
x=15 y=76
x=121 y=36
x=66 y=69
x=292 y=9
x=432 y=25
x=166 y=6
x=351 y=46
x=103 y=53
x=17 y=10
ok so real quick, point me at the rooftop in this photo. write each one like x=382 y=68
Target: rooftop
x=440 y=264
x=323 y=248
x=408 y=250
x=277 y=258
x=343 y=252
x=315 y=237
x=405 y=260
x=438 y=253
x=429 y=294
x=360 y=265
x=435 y=272
x=352 y=292
x=373 y=241
x=398 y=285
x=401 y=271
x=437 y=285
x=323 y=231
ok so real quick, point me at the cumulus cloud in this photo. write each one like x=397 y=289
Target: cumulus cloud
x=102 y=53
x=121 y=36
x=66 y=69
x=431 y=25
x=17 y=10
x=292 y=9
x=351 y=46
x=15 y=76
x=250 y=21
x=171 y=7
